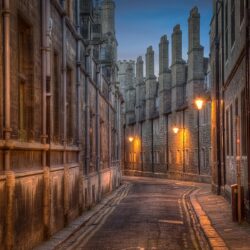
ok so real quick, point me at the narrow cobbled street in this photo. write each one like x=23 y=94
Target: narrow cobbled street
x=155 y=214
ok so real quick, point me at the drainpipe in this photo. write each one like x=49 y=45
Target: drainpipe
x=64 y=72
x=223 y=153
x=141 y=149
x=87 y=139
x=10 y=176
x=247 y=94
x=78 y=103
x=78 y=69
x=6 y=57
x=183 y=140
x=218 y=111
x=45 y=98
x=152 y=145
x=98 y=135
x=167 y=143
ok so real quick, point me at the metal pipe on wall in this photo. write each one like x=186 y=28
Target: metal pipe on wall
x=6 y=58
x=45 y=78
x=218 y=111
x=247 y=92
x=78 y=78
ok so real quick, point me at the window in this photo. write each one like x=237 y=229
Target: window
x=25 y=81
x=209 y=157
x=232 y=130
x=156 y=127
x=243 y=124
x=170 y=157
x=178 y=157
x=232 y=22
x=21 y=105
x=69 y=105
x=226 y=30
x=203 y=158
x=242 y=9
x=91 y=136
x=227 y=132
x=56 y=97
x=186 y=157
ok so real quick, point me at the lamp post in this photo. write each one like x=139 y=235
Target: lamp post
x=199 y=105
x=131 y=139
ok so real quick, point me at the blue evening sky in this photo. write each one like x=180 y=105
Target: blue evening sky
x=141 y=23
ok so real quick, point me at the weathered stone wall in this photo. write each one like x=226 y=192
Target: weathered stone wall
x=54 y=165
x=232 y=84
x=168 y=103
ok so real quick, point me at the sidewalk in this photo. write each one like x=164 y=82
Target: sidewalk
x=214 y=215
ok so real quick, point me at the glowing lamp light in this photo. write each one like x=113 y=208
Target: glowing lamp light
x=131 y=139
x=175 y=130
x=199 y=103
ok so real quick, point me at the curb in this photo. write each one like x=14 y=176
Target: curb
x=64 y=234
x=215 y=241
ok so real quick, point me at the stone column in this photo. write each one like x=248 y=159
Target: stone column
x=195 y=56
x=178 y=70
x=151 y=85
x=130 y=94
x=164 y=76
x=163 y=55
x=140 y=86
x=150 y=62
x=139 y=69
x=176 y=44
x=108 y=17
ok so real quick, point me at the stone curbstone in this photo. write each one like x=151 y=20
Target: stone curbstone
x=215 y=241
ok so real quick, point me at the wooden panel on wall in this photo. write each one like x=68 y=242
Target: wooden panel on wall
x=57 y=212
x=2 y=210
x=23 y=160
x=73 y=192
x=1 y=160
x=56 y=158
x=28 y=219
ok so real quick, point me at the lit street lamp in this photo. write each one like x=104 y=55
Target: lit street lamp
x=199 y=105
x=175 y=130
x=131 y=139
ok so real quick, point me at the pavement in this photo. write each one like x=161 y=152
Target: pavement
x=149 y=213
x=215 y=217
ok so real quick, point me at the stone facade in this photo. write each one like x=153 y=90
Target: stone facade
x=60 y=110
x=229 y=39
x=153 y=106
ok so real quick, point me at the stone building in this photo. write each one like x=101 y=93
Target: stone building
x=154 y=106
x=229 y=39
x=59 y=114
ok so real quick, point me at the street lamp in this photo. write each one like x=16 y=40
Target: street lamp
x=175 y=129
x=199 y=102
x=131 y=139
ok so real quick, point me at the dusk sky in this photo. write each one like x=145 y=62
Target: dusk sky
x=140 y=23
